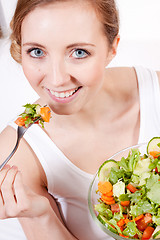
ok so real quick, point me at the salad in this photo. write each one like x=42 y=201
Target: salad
x=129 y=193
x=33 y=112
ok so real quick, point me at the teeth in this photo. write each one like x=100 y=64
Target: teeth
x=63 y=94
x=56 y=94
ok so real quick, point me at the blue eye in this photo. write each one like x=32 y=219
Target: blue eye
x=36 y=53
x=80 y=53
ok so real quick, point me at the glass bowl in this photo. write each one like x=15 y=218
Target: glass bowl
x=93 y=196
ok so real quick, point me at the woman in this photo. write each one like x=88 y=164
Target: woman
x=64 y=48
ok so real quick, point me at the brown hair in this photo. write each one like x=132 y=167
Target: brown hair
x=105 y=9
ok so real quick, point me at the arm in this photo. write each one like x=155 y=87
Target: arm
x=158 y=74
x=24 y=193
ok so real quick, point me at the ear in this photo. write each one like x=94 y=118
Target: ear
x=113 y=50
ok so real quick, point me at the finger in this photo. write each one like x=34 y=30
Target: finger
x=7 y=189
x=19 y=190
x=3 y=173
x=20 y=193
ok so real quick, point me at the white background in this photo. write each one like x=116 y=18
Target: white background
x=139 y=45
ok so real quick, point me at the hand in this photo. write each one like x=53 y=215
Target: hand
x=17 y=200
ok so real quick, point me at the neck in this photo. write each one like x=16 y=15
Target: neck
x=92 y=113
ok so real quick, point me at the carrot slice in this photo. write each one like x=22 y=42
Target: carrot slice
x=45 y=113
x=21 y=121
x=131 y=188
x=106 y=198
x=126 y=220
x=105 y=187
x=138 y=217
x=121 y=222
x=125 y=203
x=109 y=194
x=108 y=202
x=154 y=154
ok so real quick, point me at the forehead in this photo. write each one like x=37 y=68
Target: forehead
x=62 y=19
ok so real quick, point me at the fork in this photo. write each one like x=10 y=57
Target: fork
x=20 y=132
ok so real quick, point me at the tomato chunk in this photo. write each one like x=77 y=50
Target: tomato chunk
x=144 y=221
x=147 y=233
x=148 y=218
x=115 y=208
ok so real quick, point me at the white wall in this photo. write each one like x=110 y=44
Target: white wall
x=139 y=19
x=139 y=45
x=15 y=90
x=140 y=33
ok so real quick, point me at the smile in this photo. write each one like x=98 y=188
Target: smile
x=64 y=94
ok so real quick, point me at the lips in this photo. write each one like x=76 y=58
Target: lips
x=64 y=94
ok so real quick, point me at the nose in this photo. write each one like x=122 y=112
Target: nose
x=58 y=73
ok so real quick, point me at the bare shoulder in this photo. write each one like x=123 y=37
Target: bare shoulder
x=24 y=158
x=124 y=77
x=7 y=141
x=158 y=74
x=122 y=72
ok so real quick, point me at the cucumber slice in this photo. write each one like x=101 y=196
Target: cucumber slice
x=153 y=145
x=105 y=168
x=104 y=221
x=156 y=235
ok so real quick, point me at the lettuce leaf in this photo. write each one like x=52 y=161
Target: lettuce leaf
x=154 y=193
x=143 y=206
x=130 y=230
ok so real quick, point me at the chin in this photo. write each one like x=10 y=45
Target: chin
x=64 y=110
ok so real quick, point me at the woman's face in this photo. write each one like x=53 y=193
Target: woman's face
x=64 y=54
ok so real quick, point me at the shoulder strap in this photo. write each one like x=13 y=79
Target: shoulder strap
x=149 y=96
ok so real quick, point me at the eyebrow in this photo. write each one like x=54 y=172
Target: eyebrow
x=69 y=46
x=80 y=44
x=33 y=43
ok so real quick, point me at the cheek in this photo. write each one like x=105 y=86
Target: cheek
x=93 y=75
x=94 y=70
x=32 y=73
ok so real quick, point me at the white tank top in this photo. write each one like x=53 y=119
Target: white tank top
x=67 y=183
x=149 y=94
